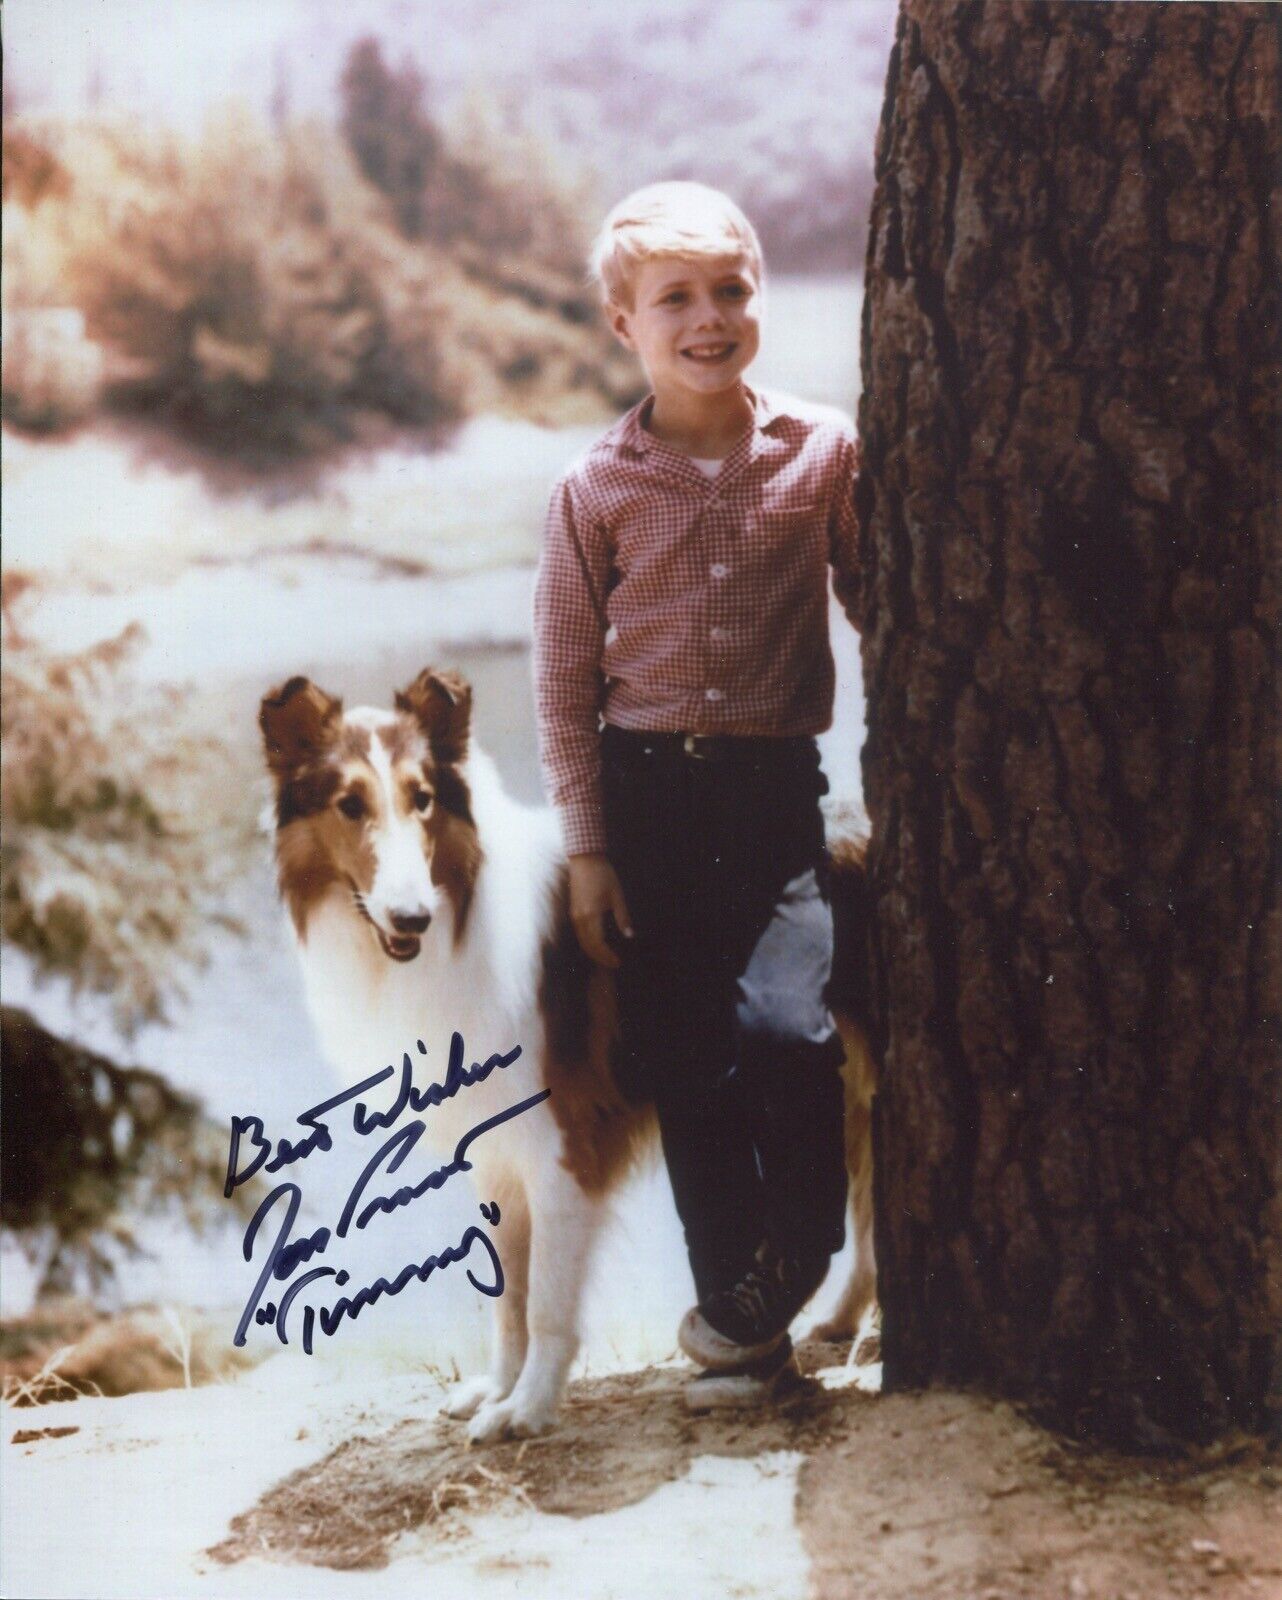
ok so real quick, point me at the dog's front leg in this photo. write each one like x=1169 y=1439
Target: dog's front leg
x=564 y=1223
x=509 y=1332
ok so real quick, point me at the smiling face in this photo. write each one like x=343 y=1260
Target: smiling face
x=695 y=322
x=374 y=806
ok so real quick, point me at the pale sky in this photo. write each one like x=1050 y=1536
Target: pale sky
x=174 y=59
x=169 y=58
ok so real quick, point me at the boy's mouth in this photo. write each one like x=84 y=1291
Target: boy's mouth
x=709 y=354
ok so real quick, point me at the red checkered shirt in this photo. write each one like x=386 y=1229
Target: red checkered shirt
x=715 y=592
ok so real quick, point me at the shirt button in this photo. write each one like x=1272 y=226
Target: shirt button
x=718 y=635
x=718 y=569
x=712 y=694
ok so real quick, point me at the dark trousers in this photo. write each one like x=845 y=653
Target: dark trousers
x=723 y=1018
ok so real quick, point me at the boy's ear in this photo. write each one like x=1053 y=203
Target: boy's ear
x=620 y=321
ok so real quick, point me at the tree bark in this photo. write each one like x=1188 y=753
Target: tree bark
x=1070 y=497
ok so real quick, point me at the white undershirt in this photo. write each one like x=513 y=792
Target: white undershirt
x=708 y=468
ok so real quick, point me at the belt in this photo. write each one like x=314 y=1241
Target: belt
x=727 y=748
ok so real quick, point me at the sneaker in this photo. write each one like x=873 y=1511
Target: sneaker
x=750 y=1321
x=754 y=1383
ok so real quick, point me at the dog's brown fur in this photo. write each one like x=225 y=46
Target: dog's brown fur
x=604 y=1133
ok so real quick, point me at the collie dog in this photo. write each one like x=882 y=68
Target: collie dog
x=425 y=901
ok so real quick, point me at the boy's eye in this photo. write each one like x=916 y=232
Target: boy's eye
x=735 y=291
x=673 y=299
x=352 y=806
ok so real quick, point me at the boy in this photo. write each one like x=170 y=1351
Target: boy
x=682 y=670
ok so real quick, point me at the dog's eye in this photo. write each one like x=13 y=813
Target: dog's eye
x=352 y=806
x=422 y=799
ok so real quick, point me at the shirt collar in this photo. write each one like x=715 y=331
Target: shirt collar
x=631 y=433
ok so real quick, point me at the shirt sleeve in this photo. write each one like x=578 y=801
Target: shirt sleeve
x=844 y=552
x=569 y=637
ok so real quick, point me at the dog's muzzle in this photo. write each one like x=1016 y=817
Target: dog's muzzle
x=399 y=946
x=405 y=941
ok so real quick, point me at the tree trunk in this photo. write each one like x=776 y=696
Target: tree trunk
x=1070 y=493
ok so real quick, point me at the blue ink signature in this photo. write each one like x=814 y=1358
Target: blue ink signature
x=456 y=1078
x=286 y=1153
x=403 y=1142
x=286 y=1254
x=351 y=1306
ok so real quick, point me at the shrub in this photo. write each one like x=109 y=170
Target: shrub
x=52 y=374
x=88 y=1147
x=254 y=290
x=499 y=196
x=523 y=326
x=389 y=132
x=110 y=861
x=31 y=170
x=257 y=292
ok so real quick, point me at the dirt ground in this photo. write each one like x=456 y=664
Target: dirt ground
x=935 y=1496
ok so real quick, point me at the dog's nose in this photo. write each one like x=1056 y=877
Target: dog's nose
x=417 y=923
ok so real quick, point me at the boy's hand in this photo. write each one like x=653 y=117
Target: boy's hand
x=595 y=893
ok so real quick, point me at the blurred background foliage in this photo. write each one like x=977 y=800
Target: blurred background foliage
x=273 y=292
x=105 y=874
x=118 y=836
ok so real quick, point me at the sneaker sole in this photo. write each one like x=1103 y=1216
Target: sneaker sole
x=702 y=1343
x=732 y=1391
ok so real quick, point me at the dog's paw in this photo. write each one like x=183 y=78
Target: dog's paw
x=465 y=1398
x=848 y=1319
x=868 y=1348
x=508 y=1419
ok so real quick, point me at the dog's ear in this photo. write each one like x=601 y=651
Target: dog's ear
x=442 y=704
x=299 y=722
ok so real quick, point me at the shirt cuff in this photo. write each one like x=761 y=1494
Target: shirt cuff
x=583 y=828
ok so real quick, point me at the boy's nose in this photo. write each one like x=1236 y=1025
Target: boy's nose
x=708 y=315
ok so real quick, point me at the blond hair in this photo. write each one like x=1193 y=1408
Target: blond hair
x=668 y=219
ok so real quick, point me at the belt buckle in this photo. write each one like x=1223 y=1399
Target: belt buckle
x=690 y=744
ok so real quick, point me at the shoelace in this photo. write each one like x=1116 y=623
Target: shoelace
x=757 y=1295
